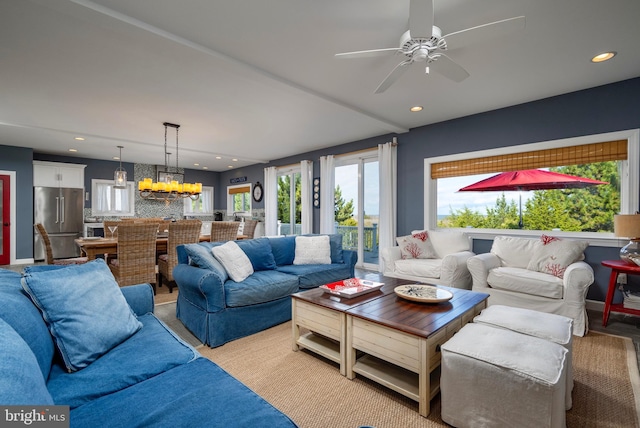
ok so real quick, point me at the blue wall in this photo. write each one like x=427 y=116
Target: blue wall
x=18 y=159
x=597 y=110
x=608 y=108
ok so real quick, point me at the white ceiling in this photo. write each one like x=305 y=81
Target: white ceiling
x=257 y=80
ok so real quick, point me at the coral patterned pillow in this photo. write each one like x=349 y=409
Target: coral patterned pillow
x=553 y=255
x=416 y=246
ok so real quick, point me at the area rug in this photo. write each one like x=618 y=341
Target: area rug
x=311 y=391
x=163 y=296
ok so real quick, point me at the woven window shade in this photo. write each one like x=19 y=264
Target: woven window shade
x=236 y=190
x=563 y=156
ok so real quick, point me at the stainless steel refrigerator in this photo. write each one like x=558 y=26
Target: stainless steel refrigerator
x=60 y=210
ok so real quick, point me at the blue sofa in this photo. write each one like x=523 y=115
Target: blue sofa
x=151 y=379
x=217 y=309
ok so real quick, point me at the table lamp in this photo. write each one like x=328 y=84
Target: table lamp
x=628 y=226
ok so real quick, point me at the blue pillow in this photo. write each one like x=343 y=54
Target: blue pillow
x=259 y=252
x=84 y=309
x=283 y=249
x=200 y=255
x=18 y=310
x=335 y=241
x=22 y=381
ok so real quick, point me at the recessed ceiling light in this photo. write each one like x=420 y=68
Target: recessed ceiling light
x=229 y=166
x=205 y=167
x=416 y=108
x=79 y=138
x=116 y=158
x=218 y=157
x=73 y=150
x=196 y=164
x=234 y=160
x=604 y=56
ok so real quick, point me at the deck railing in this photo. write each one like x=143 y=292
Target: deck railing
x=349 y=236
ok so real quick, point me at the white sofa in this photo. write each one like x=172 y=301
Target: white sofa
x=511 y=276
x=452 y=249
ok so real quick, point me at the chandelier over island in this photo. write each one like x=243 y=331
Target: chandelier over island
x=170 y=189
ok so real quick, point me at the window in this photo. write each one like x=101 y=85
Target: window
x=106 y=200
x=239 y=199
x=611 y=157
x=357 y=207
x=289 y=201
x=201 y=206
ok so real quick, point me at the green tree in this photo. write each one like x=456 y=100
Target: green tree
x=343 y=210
x=284 y=198
x=590 y=209
x=504 y=216
x=464 y=217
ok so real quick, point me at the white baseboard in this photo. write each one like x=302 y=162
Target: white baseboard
x=23 y=262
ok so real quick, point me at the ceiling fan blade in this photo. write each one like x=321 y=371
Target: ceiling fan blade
x=482 y=32
x=393 y=76
x=448 y=68
x=421 y=18
x=365 y=54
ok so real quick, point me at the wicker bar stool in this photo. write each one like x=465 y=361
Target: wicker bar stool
x=136 y=262
x=224 y=231
x=49 y=251
x=249 y=228
x=180 y=232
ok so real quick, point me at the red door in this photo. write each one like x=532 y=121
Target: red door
x=5 y=235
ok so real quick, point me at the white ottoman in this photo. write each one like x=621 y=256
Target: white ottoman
x=555 y=328
x=500 y=378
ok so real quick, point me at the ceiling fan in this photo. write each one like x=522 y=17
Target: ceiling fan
x=424 y=42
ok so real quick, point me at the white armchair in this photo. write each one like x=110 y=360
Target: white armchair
x=507 y=275
x=448 y=267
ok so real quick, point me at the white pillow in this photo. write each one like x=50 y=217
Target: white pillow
x=234 y=260
x=416 y=246
x=312 y=250
x=553 y=255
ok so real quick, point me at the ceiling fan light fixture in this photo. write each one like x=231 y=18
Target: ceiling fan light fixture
x=415 y=109
x=604 y=56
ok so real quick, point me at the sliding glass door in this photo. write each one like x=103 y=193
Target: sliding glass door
x=289 y=202
x=357 y=206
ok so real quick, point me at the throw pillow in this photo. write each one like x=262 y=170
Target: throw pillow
x=259 y=252
x=312 y=250
x=22 y=381
x=335 y=240
x=84 y=309
x=553 y=255
x=416 y=246
x=234 y=260
x=201 y=256
x=284 y=249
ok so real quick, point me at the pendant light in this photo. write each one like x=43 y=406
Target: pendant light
x=169 y=189
x=120 y=175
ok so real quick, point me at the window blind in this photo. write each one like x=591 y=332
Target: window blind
x=562 y=156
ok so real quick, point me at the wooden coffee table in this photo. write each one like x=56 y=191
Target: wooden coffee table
x=322 y=318
x=399 y=340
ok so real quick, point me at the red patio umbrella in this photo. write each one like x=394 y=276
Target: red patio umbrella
x=530 y=179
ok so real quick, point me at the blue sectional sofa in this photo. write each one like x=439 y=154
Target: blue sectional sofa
x=149 y=378
x=217 y=309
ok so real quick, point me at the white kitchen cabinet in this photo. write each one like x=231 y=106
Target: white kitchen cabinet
x=57 y=174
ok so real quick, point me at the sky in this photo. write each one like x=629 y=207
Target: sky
x=449 y=199
x=347 y=179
